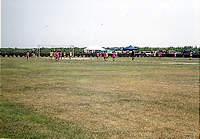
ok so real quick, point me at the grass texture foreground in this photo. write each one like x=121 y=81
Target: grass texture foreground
x=143 y=98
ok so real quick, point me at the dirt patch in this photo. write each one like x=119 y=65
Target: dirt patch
x=78 y=58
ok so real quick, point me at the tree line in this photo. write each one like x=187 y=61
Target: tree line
x=81 y=50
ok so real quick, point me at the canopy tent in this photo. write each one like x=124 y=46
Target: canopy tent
x=93 y=48
x=130 y=48
x=109 y=51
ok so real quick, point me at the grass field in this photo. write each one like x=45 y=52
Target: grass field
x=143 y=98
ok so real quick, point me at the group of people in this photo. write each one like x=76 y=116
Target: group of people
x=160 y=54
x=133 y=55
x=58 y=55
x=105 y=55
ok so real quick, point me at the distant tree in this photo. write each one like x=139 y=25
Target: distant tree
x=80 y=50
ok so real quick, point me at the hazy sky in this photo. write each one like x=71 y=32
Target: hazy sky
x=28 y=23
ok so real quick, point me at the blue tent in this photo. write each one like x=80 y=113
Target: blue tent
x=130 y=48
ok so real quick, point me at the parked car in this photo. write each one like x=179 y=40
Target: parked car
x=187 y=52
x=147 y=53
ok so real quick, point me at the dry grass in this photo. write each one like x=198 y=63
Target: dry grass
x=123 y=99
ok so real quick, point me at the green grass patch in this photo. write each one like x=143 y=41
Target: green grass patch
x=19 y=121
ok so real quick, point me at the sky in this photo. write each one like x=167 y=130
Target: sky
x=29 y=23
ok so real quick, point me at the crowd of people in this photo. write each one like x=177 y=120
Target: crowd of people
x=58 y=55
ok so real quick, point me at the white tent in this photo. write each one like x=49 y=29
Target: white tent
x=93 y=48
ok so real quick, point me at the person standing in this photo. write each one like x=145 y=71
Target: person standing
x=160 y=54
x=57 y=56
x=70 y=54
x=104 y=55
x=154 y=54
x=174 y=55
x=27 y=55
x=51 y=54
x=183 y=53
x=190 y=54
x=64 y=54
x=97 y=55
x=113 y=55
x=133 y=54
x=60 y=54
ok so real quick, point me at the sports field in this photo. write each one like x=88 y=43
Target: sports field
x=143 y=98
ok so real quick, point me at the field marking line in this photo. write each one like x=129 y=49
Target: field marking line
x=180 y=63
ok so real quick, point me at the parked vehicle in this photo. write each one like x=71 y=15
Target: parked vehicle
x=170 y=52
x=147 y=53
x=187 y=52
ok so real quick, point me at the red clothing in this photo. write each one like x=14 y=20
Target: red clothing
x=114 y=54
x=104 y=54
x=174 y=54
x=57 y=55
x=60 y=54
x=27 y=54
x=160 y=53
